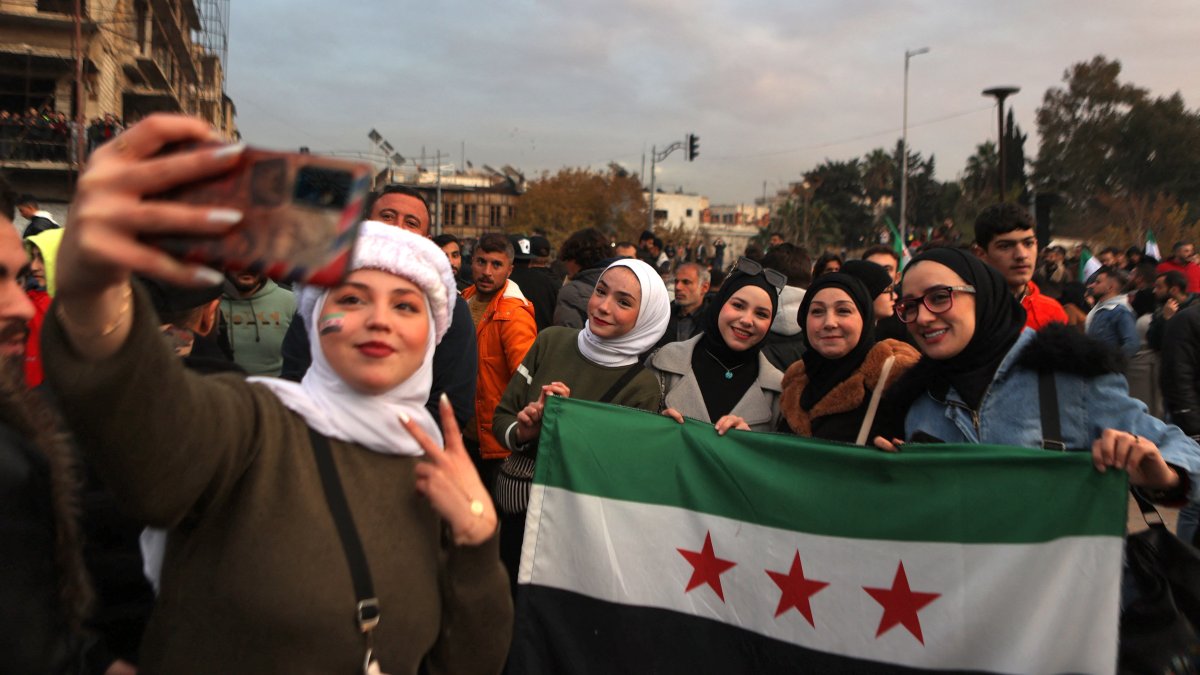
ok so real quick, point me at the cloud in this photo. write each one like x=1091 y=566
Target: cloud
x=772 y=88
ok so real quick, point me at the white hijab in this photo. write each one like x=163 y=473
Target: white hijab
x=653 y=314
x=331 y=406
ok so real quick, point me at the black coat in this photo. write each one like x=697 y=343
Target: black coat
x=1181 y=369
x=35 y=637
x=539 y=288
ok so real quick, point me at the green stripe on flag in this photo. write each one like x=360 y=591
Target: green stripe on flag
x=948 y=493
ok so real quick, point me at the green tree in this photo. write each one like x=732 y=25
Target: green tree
x=1080 y=127
x=572 y=199
x=879 y=172
x=842 y=200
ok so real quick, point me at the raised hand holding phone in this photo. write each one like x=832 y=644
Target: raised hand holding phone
x=110 y=216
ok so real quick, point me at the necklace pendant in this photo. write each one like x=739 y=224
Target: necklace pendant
x=729 y=374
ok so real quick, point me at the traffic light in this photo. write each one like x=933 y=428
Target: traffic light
x=693 y=146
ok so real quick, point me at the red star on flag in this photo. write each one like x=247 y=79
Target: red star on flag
x=795 y=590
x=901 y=604
x=707 y=568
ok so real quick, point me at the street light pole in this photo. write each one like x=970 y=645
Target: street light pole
x=1001 y=93
x=908 y=54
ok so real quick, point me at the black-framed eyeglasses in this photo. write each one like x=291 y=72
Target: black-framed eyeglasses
x=776 y=278
x=938 y=300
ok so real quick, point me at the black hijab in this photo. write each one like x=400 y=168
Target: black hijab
x=713 y=359
x=999 y=320
x=825 y=374
x=874 y=277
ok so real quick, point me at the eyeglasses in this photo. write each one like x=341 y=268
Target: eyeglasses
x=937 y=300
x=776 y=278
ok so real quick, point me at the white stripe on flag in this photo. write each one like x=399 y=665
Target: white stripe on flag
x=1017 y=608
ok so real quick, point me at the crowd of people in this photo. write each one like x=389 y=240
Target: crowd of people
x=45 y=135
x=336 y=480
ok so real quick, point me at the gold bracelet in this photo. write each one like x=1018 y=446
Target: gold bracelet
x=107 y=329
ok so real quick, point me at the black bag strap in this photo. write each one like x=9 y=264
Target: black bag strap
x=617 y=386
x=366 y=609
x=1052 y=437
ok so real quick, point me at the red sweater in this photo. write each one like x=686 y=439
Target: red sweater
x=1041 y=310
x=33 y=345
x=1190 y=270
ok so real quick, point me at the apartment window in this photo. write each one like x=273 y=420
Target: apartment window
x=689 y=213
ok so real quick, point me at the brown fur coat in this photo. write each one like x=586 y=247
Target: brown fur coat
x=850 y=394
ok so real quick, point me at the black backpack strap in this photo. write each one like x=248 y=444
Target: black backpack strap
x=1052 y=437
x=617 y=386
x=366 y=609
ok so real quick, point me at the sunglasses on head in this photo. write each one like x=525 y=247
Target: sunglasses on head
x=749 y=267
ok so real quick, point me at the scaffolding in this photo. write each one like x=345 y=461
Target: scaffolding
x=213 y=35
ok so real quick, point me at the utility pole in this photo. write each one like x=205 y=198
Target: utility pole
x=438 y=227
x=691 y=143
x=908 y=54
x=79 y=102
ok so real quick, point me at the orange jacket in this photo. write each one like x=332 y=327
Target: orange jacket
x=1041 y=310
x=506 y=331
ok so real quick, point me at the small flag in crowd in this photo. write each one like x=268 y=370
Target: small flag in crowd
x=898 y=243
x=1152 y=246
x=657 y=547
x=1087 y=265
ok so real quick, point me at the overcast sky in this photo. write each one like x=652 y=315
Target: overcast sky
x=771 y=88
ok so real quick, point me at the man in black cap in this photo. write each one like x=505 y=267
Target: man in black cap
x=531 y=271
x=187 y=318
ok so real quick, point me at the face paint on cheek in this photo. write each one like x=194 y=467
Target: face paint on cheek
x=331 y=323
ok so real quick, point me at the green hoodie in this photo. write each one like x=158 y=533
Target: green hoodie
x=257 y=325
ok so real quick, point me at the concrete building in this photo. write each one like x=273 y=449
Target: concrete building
x=136 y=57
x=677 y=212
x=735 y=224
x=472 y=202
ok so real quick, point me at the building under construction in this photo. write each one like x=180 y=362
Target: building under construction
x=73 y=72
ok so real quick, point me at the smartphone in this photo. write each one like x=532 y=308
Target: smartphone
x=301 y=215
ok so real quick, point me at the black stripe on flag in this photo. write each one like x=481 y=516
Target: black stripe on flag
x=560 y=632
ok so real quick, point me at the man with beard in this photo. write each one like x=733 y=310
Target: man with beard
x=257 y=313
x=504 y=331
x=44 y=591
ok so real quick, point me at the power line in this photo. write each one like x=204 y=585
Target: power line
x=851 y=139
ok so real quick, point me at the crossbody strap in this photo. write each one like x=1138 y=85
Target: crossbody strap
x=617 y=386
x=366 y=608
x=1052 y=438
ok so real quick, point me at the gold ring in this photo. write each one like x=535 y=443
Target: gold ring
x=476 y=508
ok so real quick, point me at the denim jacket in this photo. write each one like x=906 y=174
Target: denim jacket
x=1010 y=414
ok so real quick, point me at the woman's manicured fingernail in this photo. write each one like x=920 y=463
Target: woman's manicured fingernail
x=208 y=276
x=444 y=399
x=404 y=417
x=229 y=151
x=224 y=216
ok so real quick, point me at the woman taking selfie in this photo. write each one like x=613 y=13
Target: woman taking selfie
x=627 y=313
x=833 y=392
x=978 y=378
x=720 y=376
x=299 y=512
